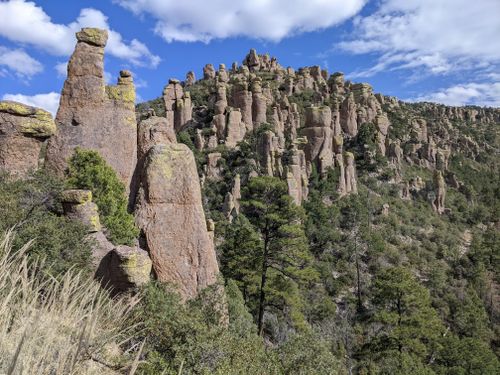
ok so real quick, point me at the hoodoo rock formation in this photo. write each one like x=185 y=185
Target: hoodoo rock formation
x=170 y=214
x=23 y=130
x=92 y=115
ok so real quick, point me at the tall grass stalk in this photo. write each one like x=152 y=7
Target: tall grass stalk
x=48 y=325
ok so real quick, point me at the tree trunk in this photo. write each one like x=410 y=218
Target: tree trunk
x=263 y=280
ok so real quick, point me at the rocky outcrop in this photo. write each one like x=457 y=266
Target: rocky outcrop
x=269 y=154
x=23 y=129
x=351 y=182
x=439 y=191
x=296 y=176
x=119 y=268
x=190 y=79
x=242 y=99
x=92 y=115
x=348 y=116
x=78 y=206
x=178 y=106
x=170 y=214
x=209 y=72
x=259 y=104
x=319 y=147
x=231 y=207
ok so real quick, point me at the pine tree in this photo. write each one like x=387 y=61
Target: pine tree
x=268 y=253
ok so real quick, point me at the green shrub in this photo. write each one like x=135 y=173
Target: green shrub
x=88 y=170
x=32 y=206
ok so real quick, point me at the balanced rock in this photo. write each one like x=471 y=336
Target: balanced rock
x=92 y=115
x=23 y=130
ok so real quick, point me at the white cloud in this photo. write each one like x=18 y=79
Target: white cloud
x=49 y=101
x=199 y=20
x=18 y=62
x=25 y=22
x=483 y=94
x=61 y=69
x=436 y=36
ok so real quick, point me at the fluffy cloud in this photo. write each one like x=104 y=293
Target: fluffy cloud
x=24 y=22
x=18 y=62
x=483 y=94
x=199 y=20
x=435 y=36
x=49 y=101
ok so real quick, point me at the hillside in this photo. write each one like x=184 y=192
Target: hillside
x=270 y=221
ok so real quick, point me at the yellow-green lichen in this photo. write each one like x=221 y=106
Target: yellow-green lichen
x=15 y=108
x=36 y=122
x=95 y=223
x=338 y=140
x=94 y=36
x=124 y=93
x=76 y=196
x=349 y=155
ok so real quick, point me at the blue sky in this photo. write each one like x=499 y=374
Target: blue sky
x=439 y=50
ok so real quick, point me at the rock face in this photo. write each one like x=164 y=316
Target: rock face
x=23 y=130
x=118 y=268
x=170 y=214
x=92 y=115
x=319 y=147
x=178 y=106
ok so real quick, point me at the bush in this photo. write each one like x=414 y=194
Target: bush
x=32 y=206
x=88 y=170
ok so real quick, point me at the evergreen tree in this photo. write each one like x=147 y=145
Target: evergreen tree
x=405 y=320
x=275 y=261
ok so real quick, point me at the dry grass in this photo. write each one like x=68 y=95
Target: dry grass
x=66 y=325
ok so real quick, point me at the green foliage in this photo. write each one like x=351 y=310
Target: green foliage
x=190 y=337
x=88 y=170
x=32 y=206
x=403 y=309
x=280 y=260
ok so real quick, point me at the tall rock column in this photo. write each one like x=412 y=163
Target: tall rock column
x=319 y=147
x=178 y=106
x=242 y=99
x=92 y=115
x=170 y=214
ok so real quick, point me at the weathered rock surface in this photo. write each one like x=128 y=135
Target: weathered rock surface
x=170 y=214
x=119 y=268
x=92 y=115
x=23 y=130
x=178 y=106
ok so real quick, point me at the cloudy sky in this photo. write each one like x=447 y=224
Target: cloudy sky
x=446 y=51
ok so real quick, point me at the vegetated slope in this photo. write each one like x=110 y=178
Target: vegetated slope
x=398 y=277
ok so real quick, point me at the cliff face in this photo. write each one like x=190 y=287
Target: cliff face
x=92 y=115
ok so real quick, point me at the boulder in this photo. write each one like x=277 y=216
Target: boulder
x=78 y=206
x=23 y=130
x=92 y=115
